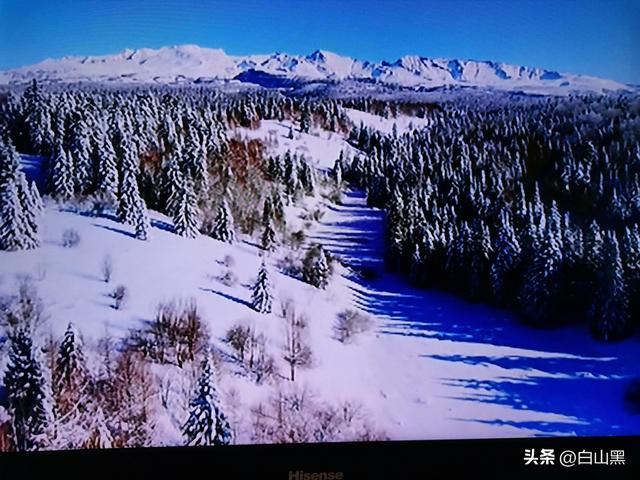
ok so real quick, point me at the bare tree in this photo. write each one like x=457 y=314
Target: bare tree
x=24 y=310
x=176 y=335
x=251 y=351
x=238 y=338
x=296 y=415
x=351 y=323
x=106 y=268
x=130 y=402
x=296 y=351
x=120 y=295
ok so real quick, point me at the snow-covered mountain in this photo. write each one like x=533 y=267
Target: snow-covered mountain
x=191 y=63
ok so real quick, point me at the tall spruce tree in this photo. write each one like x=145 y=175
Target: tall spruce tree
x=507 y=259
x=223 y=229
x=542 y=279
x=186 y=218
x=107 y=181
x=129 y=191
x=610 y=308
x=142 y=222
x=70 y=375
x=207 y=423
x=262 y=296
x=61 y=177
x=26 y=394
x=11 y=228
x=316 y=269
x=268 y=238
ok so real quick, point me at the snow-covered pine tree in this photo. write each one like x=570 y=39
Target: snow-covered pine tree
x=173 y=184
x=37 y=116
x=98 y=433
x=196 y=160
x=316 y=269
x=631 y=262
x=61 y=178
x=70 y=375
x=9 y=162
x=223 y=227
x=609 y=311
x=129 y=191
x=11 y=229
x=338 y=168
x=507 y=258
x=262 y=296
x=541 y=281
x=207 y=423
x=268 y=238
x=142 y=222
x=307 y=177
x=30 y=204
x=26 y=393
x=278 y=205
x=107 y=182
x=267 y=210
x=305 y=119
x=186 y=217
x=80 y=151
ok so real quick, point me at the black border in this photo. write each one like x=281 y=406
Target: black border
x=368 y=460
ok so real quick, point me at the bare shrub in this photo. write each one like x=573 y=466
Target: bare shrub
x=106 y=268
x=42 y=269
x=318 y=214
x=251 y=351
x=70 y=238
x=290 y=265
x=296 y=350
x=297 y=239
x=228 y=261
x=351 y=323
x=228 y=278
x=296 y=416
x=23 y=310
x=238 y=338
x=335 y=195
x=176 y=335
x=120 y=295
x=260 y=363
x=128 y=398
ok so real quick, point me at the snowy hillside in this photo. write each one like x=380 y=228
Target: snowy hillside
x=433 y=367
x=305 y=268
x=191 y=63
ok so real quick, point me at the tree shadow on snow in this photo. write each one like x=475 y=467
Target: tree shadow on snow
x=227 y=296
x=562 y=371
x=573 y=406
x=161 y=225
x=115 y=229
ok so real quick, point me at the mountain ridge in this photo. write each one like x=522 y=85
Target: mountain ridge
x=192 y=63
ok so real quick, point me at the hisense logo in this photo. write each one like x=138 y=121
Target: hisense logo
x=302 y=475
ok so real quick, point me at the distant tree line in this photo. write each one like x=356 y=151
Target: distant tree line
x=532 y=204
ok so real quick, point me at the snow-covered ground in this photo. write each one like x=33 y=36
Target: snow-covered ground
x=385 y=125
x=322 y=148
x=433 y=367
x=439 y=367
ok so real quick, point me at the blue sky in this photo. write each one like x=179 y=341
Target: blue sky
x=598 y=37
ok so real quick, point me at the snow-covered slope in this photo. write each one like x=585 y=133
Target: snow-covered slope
x=435 y=366
x=191 y=63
